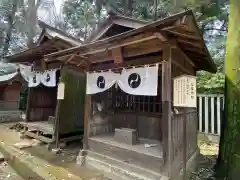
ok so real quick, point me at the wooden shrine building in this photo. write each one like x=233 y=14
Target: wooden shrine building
x=48 y=119
x=10 y=93
x=141 y=136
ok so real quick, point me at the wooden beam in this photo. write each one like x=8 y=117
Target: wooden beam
x=196 y=45
x=121 y=45
x=43 y=64
x=70 y=59
x=184 y=35
x=131 y=51
x=133 y=62
x=183 y=20
x=182 y=67
x=112 y=47
x=186 y=57
x=174 y=44
x=84 y=57
x=160 y=36
x=117 y=55
x=79 y=64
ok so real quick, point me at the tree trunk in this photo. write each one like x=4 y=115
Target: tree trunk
x=230 y=137
x=10 y=19
x=130 y=8
x=155 y=10
x=32 y=20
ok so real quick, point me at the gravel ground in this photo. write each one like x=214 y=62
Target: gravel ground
x=7 y=173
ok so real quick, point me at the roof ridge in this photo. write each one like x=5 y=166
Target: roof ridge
x=44 y=25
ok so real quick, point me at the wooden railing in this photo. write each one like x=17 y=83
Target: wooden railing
x=184 y=137
x=9 y=105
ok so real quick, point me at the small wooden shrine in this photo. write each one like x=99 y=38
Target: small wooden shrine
x=48 y=119
x=130 y=130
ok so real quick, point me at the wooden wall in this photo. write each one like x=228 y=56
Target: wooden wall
x=42 y=103
x=12 y=92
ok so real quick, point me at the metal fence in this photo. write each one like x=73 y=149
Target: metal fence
x=210 y=108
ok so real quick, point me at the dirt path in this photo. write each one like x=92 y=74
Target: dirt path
x=38 y=162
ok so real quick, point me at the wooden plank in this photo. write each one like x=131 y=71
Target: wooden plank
x=218 y=116
x=206 y=114
x=212 y=115
x=40 y=138
x=200 y=114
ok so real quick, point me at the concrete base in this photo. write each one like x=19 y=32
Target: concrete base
x=116 y=168
x=10 y=116
x=128 y=171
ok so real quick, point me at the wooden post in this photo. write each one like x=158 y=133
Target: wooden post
x=167 y=107
x=57 y=119
x=28 y=104
x=56 y=129
x=185 y=143
x=28 y=107
x=87 y=115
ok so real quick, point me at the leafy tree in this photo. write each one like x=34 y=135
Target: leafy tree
x=81 y=15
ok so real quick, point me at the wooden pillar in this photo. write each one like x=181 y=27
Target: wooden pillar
x=56 y=135
x=43 y=64
x=28 y=103
x=87 y=116
x=29 y=99
x=167 y=106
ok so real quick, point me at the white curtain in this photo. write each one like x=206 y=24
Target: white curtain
x=48 y=78
x=34 y=79
x=139 y=81
x=100 y=82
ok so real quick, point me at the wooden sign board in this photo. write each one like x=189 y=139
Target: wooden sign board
x=184 y=91
x=61 y=89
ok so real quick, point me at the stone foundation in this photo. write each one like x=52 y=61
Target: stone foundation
x=9 y=116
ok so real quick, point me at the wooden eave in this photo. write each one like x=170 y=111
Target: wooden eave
x=38 y=52
x=177 y=31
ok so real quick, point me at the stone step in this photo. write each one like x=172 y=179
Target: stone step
x=31 y=167
x=121 y=169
